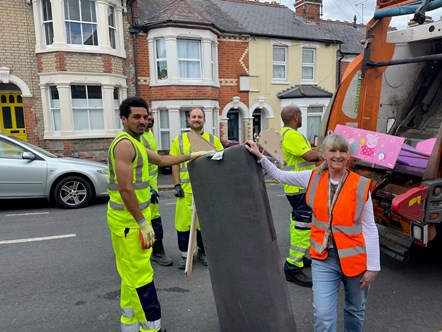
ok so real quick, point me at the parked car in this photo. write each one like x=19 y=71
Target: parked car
x=28 y=171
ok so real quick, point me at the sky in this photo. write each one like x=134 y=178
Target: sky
x=345 y=10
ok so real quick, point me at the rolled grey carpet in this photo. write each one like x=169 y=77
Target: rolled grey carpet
x=244 y=260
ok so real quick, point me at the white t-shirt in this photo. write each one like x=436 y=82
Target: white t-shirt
x=369 y=229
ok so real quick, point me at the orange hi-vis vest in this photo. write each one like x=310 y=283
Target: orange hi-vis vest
x=339 y=217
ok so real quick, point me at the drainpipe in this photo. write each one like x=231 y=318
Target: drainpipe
x=339 y=56
x=133 y=30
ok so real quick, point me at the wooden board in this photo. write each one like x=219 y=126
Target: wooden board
x=270 y=141
x=199 y=143
x=192 y=239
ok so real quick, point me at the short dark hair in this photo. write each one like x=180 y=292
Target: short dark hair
x=127 y=103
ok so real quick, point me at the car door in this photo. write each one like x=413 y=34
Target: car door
x=20 y=177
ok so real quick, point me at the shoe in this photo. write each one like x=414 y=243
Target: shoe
x=159 y=255
x=182 y=263
x=299 y=278
x=202 y=258
x=307 y=261
x=162 y=259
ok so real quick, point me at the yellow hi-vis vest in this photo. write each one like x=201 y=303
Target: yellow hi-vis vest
x=294 y=145
x=118 y=216
x=148 y=139
x=181 y=146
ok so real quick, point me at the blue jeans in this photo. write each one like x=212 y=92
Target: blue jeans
x=327 y=277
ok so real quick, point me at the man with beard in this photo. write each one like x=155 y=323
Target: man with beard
x=158 y=252
x=299 y=156
x=183 y=189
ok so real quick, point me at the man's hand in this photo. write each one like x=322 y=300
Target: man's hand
x=178 y=191
x=154 y=196
x=147 y=235
x=194 y=155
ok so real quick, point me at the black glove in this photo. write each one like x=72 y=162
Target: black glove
x=178 y=191
x=154 y=196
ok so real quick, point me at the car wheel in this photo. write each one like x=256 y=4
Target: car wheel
x=72 y=192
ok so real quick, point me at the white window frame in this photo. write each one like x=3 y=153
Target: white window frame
x=63 y=81
x=314 y=111
x=208 y=56
x=309 y=65
x=93 y=23
x=59 y=29
x=188 y=60
x=163 y=60
x=113 y=41
x=164 y=139
x=55 y=109
x=48 y=23
x=90 y=109
x=279 y=63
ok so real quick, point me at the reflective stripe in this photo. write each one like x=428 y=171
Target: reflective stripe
x=289 y=168
x=343 y=253
x=303 y=225
x=130 y=327
x=320 y=224
x=350 y=230
x=118 y=206
x=300 y=249
x=317 y=247
x=306 y=163
x=155 y=325
x=142 y=185
x=127 y=312
x=296 y=259
x=183 y=169
x=360 y=199
x=184 y=180
x=311 y=193
x=154 y=172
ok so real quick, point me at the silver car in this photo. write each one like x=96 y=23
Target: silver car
x=27 y=171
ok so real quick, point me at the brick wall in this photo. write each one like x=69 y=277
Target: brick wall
x=17 y=52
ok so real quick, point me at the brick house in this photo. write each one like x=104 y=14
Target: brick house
x=225 y=57
x=62 y=73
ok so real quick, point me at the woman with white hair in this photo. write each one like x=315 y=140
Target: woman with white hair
x=344 y=243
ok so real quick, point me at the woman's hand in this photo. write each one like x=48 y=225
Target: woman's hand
x=253 y=148
x=367 y=278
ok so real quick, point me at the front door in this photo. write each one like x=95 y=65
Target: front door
x=12 y=119
x=233 y=126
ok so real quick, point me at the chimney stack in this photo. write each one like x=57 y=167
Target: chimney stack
x=310 y=10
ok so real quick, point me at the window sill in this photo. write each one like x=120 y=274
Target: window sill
x=281 y=82
x=81 y=49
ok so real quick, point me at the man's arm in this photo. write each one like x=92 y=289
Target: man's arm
x=124 y=154
x=312 y=156
x=166 y=160
x=175 y=174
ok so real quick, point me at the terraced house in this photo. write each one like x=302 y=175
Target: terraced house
x=65 y=65
x=62 y=73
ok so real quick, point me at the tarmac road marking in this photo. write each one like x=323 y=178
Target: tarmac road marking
x=25 y=214
x=34 y=239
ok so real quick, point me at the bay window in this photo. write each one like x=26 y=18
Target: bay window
x=189 y=58
x=87 y=107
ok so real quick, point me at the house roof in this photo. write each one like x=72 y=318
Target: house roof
x=304 y=91
x=234 y=16
x=350 y=34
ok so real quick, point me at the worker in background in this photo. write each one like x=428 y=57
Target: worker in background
x=129 y=218
x=183 y=188
x=299 y=156
x=158 y=252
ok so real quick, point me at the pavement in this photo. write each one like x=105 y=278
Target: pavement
x=165 y=181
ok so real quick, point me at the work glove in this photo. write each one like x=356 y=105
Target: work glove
x=154 y=196
x=178 y=191
x=147 y=235
x=194 y=155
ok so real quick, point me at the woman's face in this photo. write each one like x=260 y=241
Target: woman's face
x=336 y=160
